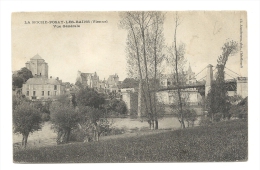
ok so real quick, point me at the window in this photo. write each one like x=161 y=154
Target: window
x=55 y=87
x=27 y=93
x=34 y=93
x=42 y=93
x=48 y=93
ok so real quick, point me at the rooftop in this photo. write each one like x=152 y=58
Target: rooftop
x=37 y=57
x=42 y=81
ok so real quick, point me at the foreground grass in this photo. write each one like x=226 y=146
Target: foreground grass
x=225 y=141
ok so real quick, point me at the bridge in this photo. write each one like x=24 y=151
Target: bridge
x=236 y=83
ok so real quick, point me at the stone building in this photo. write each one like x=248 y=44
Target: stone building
x=113 y=83
x=40 y=86
x=188 y=77
x=130 y=97
x=90 y=80
x=37 y=66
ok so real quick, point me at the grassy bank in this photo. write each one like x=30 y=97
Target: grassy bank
x=224 y=141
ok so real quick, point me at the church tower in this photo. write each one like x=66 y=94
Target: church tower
x=37 y=66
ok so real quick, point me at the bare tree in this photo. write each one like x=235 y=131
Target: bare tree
x=177 y=60
x=144 y=44
x=156 y=45
x=133 y=54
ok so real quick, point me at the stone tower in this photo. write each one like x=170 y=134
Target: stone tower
x=209 y=78
x=37 y=66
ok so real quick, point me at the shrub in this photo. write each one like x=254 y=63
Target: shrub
x=205 y=121
x=118 y=106
x=78 y=135
x=45 y=117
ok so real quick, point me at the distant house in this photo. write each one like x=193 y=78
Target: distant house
x=90 y=80
x=113 y=83
x=42 y=88
x=170 y=79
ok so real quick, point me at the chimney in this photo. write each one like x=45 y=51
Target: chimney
x=57 y=78
x=50 y=77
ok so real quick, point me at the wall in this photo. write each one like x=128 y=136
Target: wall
x=242 y=86
x=38 y=90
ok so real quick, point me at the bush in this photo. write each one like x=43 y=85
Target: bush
x=205 y=121
x=118 y=106
x=240 y=110
x=116 y=131
x=45 y=117
x=217 y=117
x=78 y=135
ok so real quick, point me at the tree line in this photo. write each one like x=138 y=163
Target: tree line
x=84 y=113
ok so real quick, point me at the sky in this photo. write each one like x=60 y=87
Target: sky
x=100 y=47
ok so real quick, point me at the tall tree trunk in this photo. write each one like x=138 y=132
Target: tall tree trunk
x=139 y=69
x=24 y=140
x=155 y=73
x=68 y=135
x=156 y=124
x=139 y=111
x=145 y=65
x=177 y=75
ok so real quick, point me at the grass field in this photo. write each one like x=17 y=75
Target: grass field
x=224 y=141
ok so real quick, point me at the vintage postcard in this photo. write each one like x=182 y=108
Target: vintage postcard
x=129 y=86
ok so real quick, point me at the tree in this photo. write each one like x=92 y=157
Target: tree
x=89 y=97
x=44 y=108
x=26 y=120
x=90 y=120
x=134 y=58
x=175 y=106
x=155 y=50
x=240 y=110
x=177 y=60
x=217 y=100
x=64 y=118
x=17 y=82
x=79 y=84
x=20 y=77
x=129 y=83
x=118 y=106
x=144 y=45
x=190 y=116
x=25 y=74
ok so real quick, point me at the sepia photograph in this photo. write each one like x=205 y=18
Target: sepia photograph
x=129 y=86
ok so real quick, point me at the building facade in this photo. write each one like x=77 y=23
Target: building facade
x=186 y=77
x=37 y=66
x=41 y=87
x=92 y=80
